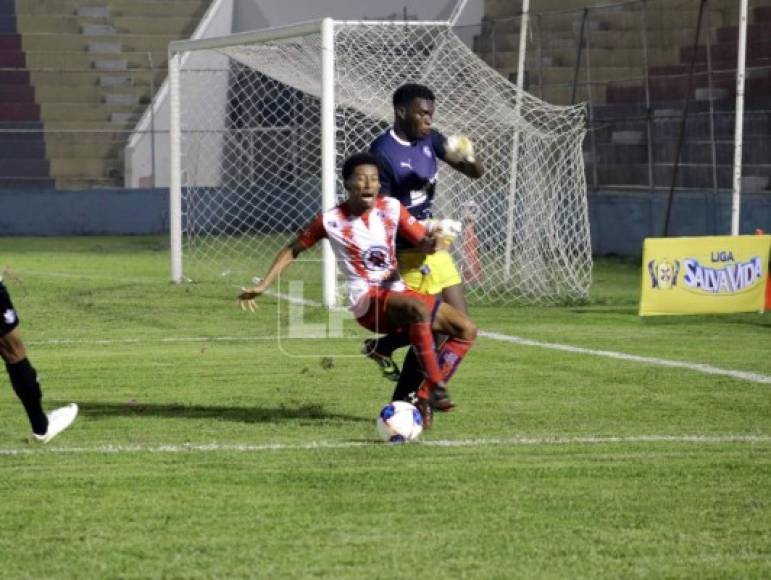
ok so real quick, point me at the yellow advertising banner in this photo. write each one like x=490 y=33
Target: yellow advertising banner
x=705 y=275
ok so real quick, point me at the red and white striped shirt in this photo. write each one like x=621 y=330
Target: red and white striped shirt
x=365 y=245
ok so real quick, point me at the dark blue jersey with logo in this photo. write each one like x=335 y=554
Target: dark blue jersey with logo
x=408 y=170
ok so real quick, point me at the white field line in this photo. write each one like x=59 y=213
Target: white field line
x=696 y=367
x=88 y=276
x=653 y=361
x=168 y=339
x=520 y=441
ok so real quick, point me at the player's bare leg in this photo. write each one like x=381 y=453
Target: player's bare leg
x=455 y=297
x=411 y=375
x=454 y=323
x=12 y=348
x=404 y=311
x=455 y=332
x=460 y=333
x=381 y=349
x=414 y=386
x=415 y=317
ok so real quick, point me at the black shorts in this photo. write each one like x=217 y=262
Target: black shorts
x=8 y=318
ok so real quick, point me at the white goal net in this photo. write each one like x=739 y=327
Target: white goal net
x=250 y=145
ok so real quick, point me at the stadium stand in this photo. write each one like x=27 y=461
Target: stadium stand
x=23 y=160
x=82 y=73
x=617 y=150
x=75 y=75
x=669 y=86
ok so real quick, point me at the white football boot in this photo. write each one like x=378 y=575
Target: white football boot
x=58 y=421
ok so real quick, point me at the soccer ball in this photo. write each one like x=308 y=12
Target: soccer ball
x=399 y=422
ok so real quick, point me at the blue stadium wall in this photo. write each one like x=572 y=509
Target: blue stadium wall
x=619 y=220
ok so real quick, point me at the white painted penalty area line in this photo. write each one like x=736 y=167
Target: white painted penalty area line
x=321 y=445
x=690 y=366
x=695 y=367
x=168 y=339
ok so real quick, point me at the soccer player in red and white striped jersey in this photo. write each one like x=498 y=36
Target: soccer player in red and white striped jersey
x=362 y=232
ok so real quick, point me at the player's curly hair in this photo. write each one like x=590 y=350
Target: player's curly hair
x=354 y=161
x=405 y=94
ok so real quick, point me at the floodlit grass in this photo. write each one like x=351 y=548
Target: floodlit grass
x=211 y=444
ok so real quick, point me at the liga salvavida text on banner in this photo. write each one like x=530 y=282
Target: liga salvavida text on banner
x=704 y=275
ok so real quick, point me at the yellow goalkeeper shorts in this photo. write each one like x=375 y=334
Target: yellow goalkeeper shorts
x=428 y=273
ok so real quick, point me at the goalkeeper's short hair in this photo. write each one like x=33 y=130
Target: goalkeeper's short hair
x=405 y=94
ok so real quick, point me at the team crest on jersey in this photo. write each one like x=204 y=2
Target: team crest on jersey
x=426 y=151
x=376 y=259
x=9 y=316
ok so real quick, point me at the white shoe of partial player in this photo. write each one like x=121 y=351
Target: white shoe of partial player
x=58 y=421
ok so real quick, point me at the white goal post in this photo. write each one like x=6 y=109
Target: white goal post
x=261 y=122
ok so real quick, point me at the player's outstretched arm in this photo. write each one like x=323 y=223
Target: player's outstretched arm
x=459 y=154
x=284 y=258
x=423 y=238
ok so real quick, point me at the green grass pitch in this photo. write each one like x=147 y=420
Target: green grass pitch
x=211 y=444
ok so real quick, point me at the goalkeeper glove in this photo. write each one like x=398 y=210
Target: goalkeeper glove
x=459 y=148
x=446 y=230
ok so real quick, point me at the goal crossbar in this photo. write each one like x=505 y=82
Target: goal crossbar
x=285 y=32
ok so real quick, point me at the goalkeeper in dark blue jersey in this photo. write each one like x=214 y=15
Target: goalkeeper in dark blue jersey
x=408 y=155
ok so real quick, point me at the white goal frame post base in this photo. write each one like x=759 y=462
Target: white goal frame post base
x=261 y=122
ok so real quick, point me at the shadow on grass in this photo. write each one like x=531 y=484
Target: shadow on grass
x=309 y=412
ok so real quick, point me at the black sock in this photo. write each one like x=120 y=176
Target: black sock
x=410 y=379
x=24 y=382
x=390 y=342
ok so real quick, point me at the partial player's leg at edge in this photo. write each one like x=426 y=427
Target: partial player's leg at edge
x=24 y=378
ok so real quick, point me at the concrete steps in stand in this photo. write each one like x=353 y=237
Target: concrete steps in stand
x=85 y=70
x=618 y=141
